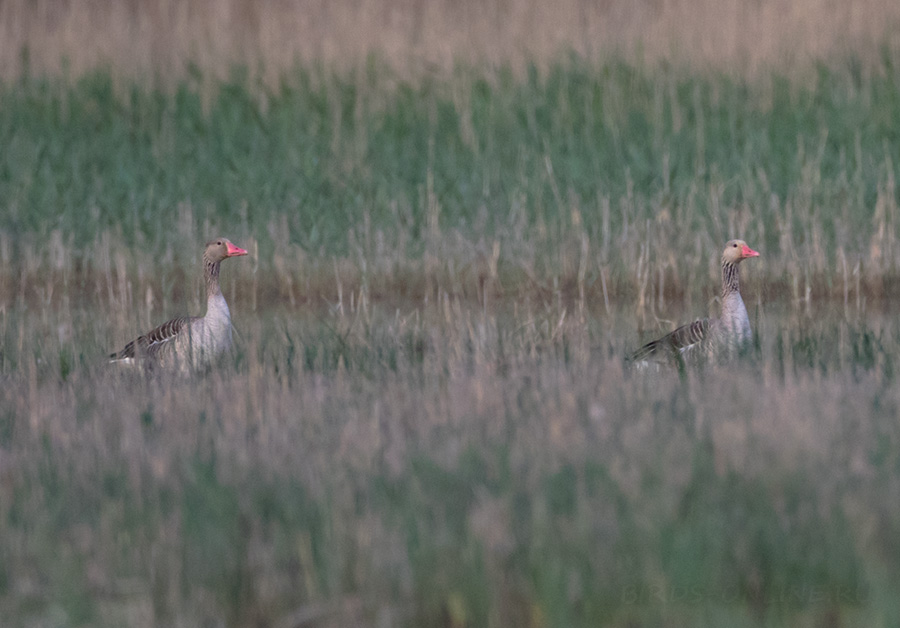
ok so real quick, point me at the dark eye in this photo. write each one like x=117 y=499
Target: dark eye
x=734 y=245
x=220 y=243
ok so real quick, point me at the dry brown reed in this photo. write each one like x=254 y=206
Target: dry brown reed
x=161 y=38
x=662 y=284
x=664 y=269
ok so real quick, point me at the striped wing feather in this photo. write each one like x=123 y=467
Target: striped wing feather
x=674 y=342
x=150 y=343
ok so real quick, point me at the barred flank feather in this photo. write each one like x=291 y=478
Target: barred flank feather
x=680 y=340
x=150 y=343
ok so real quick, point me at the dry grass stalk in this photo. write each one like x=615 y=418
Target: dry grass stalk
x=161 y=38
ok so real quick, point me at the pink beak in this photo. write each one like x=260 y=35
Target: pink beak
x=234 y=251
x=748 y=252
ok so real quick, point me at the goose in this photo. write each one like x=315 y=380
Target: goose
x=726 y=335
x=189 y=341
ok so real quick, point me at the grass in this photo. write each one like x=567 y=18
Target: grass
x=427 y=420
x=614 y=172
x=461 y=469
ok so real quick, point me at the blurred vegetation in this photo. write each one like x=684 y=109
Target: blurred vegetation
x=478 y=470
x=427 y=421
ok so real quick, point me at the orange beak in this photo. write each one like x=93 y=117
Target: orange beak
x=748 y=252
x=234 y=251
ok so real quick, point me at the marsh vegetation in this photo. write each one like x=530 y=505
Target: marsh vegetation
x=427 y=420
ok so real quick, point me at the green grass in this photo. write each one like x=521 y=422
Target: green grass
x=427 y=420
x=366 y=166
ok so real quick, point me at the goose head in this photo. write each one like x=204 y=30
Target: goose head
x=737 y=251
x=221 y=248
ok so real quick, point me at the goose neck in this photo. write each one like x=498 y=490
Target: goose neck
x=211 y=274
x=731 y=278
